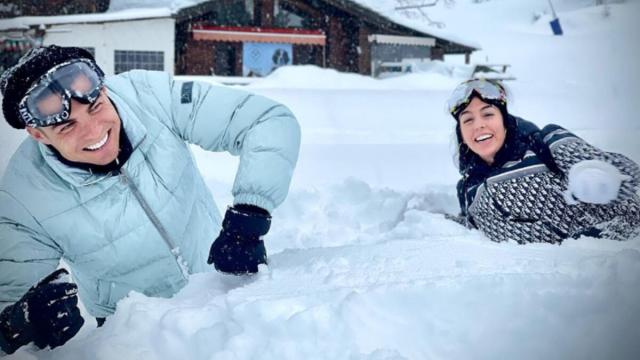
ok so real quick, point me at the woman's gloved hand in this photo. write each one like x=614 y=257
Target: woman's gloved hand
x=593 y=182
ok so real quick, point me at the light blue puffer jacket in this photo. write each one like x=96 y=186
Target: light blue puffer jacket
x=131 y=231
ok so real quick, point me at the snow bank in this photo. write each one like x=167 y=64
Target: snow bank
x=359 y=273
x=432 y=75
x=313 y=77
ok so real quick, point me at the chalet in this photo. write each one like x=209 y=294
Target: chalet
x=232 y=37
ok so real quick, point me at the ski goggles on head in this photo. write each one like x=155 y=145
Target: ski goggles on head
x=48 y=101
x=461 y=96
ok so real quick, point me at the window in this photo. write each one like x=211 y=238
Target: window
x=231 y=12
x=289 y=15
x=288 y=19
x=126 y=60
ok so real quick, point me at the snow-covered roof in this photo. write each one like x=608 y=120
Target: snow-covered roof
x=173 y=5
x=25 y=22
x=120 y=10
x=386 y=9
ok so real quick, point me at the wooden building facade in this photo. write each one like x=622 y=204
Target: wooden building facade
x=213 y=37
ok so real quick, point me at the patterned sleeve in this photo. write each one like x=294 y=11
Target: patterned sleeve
x=567 y=149
x=498 y=225
x=499 y=229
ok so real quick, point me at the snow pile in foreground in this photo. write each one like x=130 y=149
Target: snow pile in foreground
x=382 y=275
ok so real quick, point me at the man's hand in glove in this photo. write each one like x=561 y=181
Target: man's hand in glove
x=239 y=248
x=47 y=314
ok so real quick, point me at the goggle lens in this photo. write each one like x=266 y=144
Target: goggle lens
x=487 y=90
x=45 y=102
x=49 y=101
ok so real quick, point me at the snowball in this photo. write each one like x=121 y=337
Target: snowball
x=594 y=181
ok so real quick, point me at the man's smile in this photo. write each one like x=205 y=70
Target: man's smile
x=99 y=144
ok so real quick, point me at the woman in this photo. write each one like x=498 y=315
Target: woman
x=530 y=185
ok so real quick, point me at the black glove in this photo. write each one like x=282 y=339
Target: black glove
x=238 y=249
x=47 y=314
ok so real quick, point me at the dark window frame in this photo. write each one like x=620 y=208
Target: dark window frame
x=125 y=60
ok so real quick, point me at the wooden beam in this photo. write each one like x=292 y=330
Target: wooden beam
x=263 y=12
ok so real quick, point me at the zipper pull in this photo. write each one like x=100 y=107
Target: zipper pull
x=123 y=177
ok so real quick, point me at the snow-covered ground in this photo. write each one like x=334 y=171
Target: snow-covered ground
x=362 y=263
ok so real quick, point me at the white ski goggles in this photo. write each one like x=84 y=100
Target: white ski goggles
x=48 y=101
x=461 y=96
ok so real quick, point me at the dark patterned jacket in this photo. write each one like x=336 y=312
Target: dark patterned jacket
x=520 y=196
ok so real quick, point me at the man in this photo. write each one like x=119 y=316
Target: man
x=106 y=181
